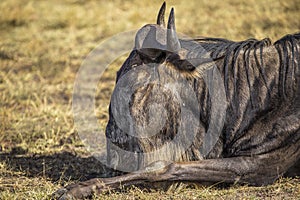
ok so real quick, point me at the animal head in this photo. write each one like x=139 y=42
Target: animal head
x=154 y=99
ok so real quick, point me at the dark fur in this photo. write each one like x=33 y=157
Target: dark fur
x=260 y=140
x=261 y=82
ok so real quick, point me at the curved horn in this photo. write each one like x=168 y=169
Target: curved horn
x=161 y=15
x=173 y=43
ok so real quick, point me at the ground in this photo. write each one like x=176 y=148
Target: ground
x=42 y=46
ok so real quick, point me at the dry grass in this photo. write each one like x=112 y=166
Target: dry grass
x=42 y=45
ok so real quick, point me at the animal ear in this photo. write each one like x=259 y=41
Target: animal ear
x=173 y=44
x=161 y=15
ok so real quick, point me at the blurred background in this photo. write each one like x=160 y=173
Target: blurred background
x=42 y=45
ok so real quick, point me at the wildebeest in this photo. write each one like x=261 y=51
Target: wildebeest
x=259 y=133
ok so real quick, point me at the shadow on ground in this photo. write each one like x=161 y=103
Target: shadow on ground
x=59 y=166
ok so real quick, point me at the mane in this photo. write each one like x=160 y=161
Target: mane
x=257 y=74
x=230 y=51
x=288 y=48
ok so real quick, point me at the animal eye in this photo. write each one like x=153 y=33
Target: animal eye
x=180 y=64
